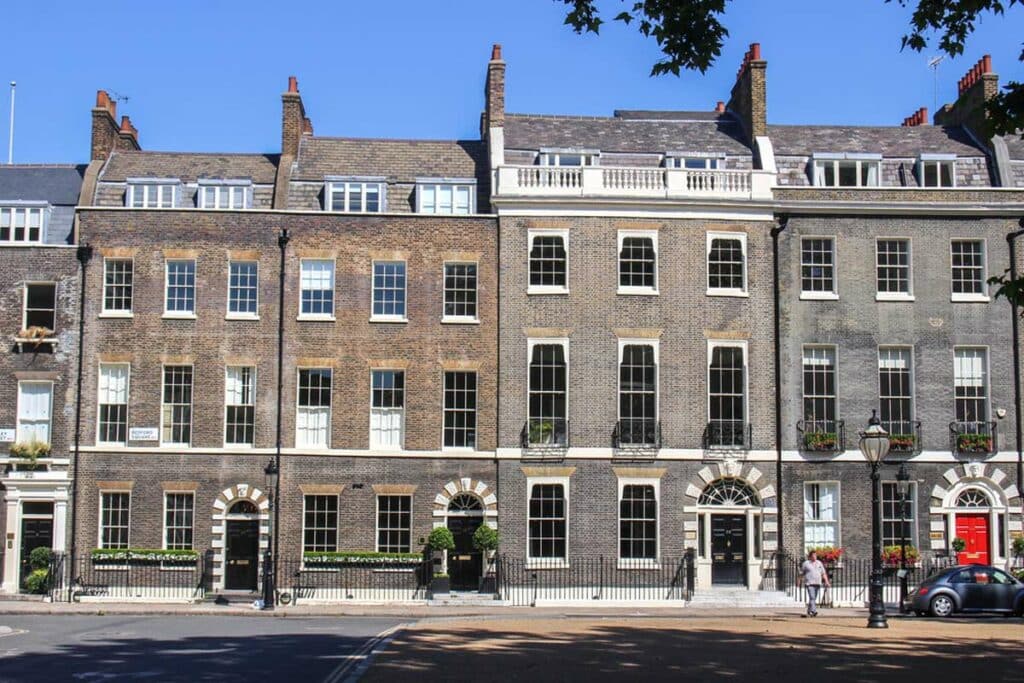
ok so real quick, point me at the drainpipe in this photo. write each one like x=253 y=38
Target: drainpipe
x=775 y=232
x=497 y=370
x=1011 y=240
x=83 y=254
x=282 y=243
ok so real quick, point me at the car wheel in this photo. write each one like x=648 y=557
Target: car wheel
x=942 y=606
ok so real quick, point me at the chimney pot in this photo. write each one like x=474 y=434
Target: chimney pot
x=496 y=52
x=986 y=64
x=720 y=106
x=755 y=51
x=293 y=84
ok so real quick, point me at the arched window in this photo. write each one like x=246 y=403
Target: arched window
x=243 y=507
x=973 y=498
x=465 y=502
x=732 y=492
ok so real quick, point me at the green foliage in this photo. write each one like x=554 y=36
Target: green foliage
x=1011 y=290
x=974 y=443
x=485 y=538
x=1018 y=546
x=441 y=539
x=143 y=555
x=891 y=555
x=359 y=557
x=38 y=581
x=820 y=441
x=958 y=544
x=40 y=558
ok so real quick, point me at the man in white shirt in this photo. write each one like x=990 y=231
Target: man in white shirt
x=813 y=573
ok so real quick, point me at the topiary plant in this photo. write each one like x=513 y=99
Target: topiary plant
x=1018 y=546
x=38 y=581
x=958 y=544
x=441 y=539
x=40 y=558
x=485 y=538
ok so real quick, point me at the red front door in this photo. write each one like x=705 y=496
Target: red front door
x=973 y=528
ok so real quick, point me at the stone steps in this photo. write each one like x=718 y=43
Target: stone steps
x=465 y=599
x=740 y=597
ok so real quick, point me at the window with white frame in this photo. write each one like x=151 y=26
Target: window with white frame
x=113 y=403
x=445 y=197
x=35 y=409
x=387 y=408
x=638 y=522
x=115 y=508
x=819 y=389
x=394 y=524
x=179 y=512
x=460 y=291
x=243 y=288
x=896 y=527
x=638 y=393
x=225 y=195
x=40 y=306
x=118 y=284
x=153 y=195
x=817 y=266
x=896 y=390
x=727 y=263
x=936 y=170
x=180 y=293
x=638 y=262
x=239 y=405
x=821 y=514
x=568 y=157
x=970 y=385
x=549 y=262
x=547 y=393
x=320 y=523
x=22 y=224
x=967 y=258
x=176 y=406
x=316 y=284
x=388 y=290
x=893 y=267
x=460 y=409
x=547 y=521
x=727 y=395
x=693 y=162
x=313 y=411
x=847 y=170
x=355 y=196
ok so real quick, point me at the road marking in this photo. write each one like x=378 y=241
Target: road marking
x=356 y=664
x=8 y=631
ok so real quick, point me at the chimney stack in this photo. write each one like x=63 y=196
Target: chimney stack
x=494 y=91
x=128 y=135
x=918 y=118
x=294 y=122
x=748 y=99
x=720 y=107
x=105 y=131
x=977 y=87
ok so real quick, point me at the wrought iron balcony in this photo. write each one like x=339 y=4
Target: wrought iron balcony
x=727 y=434
x=822 y=436
x=545 y=433
x=977 y=438
x=904 y=436
x=637 y=434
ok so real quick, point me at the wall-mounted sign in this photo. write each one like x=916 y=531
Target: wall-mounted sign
x=143 y=434
x=6 y=436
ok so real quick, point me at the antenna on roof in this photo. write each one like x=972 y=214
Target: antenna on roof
x=118 y=97
x=933 y=64
x=10 y=135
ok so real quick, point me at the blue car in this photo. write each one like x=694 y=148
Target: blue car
x=968 y=588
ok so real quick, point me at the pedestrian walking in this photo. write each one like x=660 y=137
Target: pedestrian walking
x=814 y=576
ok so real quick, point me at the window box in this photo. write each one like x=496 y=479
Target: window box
x=981 y=441
x=35 y=337
x=122 y=556
x=316 y=558
x=822 y=436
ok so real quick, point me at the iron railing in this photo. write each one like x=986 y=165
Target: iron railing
x=821 y=436
x=851 y=580
x=356 y=580
x=728 y=434
x=904 y=436
x=976 y=438
x=529 y=581
x=545 y=432
x=131 y=579
x=638 y=433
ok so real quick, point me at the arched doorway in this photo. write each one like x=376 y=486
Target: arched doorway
x=465 y=514
x=728 y=524
x=242 y=546
x=972 y=525
x=975 y=502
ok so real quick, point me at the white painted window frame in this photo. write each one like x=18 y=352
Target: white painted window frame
x=153 y=192
x=343 y=185
x=376 y=517
x=563 y=233
x=328 y=317
x=330 y=409
x=28 y=208
x=728 y=343
x=375 y=446
x=552 y=156
x=19 y=429
x=838 y=510
x=896 y=296
x=254 y=371
x=223 y=188
x=549 y=562
x=181 y=315
x=230 y=315
x=24 y=301
x=127 y=403
x=390 y=317
x=114 y=312
x=163 y=525
x=937 y=160
x=455 y=319
x=987 y=377
x=631 y=290
x=639 y=563
x=549 y=341
x=469 y=184
x=192 y=404
x=821 y=159
x=444 y=410
x=726 y=291
x=99 y=518
x=821 y=296
x=631 y=341
x=959 y=297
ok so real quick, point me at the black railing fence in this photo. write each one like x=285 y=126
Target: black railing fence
x=728 y=434
x=134 y=579
x=637 y=433
x=522 y=581
x=363 y=581
x=822 y=436
x=978 y=438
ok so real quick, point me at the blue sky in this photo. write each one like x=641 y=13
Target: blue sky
x=206 y=75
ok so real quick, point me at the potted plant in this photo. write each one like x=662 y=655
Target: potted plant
x=829 y=555
x=958 y=544
x=974 y=443
x=902 y=442
x=542 y=431
x=38 y=580
x=440 y=541
x=1017 y=548
x=891 y=555
x=485 y=539
x=821 y=441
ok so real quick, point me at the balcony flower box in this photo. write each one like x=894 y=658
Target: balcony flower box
x=30 y=452
x=974 y=443
x=35 y=336
x=317 y=558
x=902 y=443
x=821 y=442
x=891 y=556
x=124 y=556
x=829 y=555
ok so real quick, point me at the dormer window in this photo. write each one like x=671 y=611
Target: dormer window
x=153 y=193
x=445 y=196
x=694 y=162
x=568 y=157
x=225 y=194
x=936 y=170
x=355 y=195
x=847 y=170
x=23 y=224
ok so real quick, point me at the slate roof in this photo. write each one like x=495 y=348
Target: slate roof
x=629 y=131
x=889 y=141
x=400 y=161
x=187 y=166
x=57 y=184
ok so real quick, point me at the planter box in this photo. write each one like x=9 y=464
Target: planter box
x=440 y=585
x=489 y=584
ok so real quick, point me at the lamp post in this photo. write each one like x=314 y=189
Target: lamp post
x=270 y=471
x=874 y=444
x=903 y=484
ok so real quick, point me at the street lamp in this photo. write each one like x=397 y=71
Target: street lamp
x=874 y=444
x=903 y=486
x=270 y=471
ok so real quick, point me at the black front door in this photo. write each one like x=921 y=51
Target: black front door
x=464 y=563
x=241 y=557
x=729 y=549
x=36 y=532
